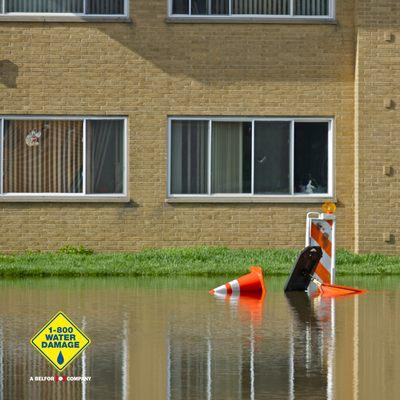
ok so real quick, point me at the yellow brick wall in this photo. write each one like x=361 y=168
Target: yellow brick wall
x=149 y=70
x=377 y=137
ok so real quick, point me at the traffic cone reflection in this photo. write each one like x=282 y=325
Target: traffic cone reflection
x=249 y=283
x=250 y=306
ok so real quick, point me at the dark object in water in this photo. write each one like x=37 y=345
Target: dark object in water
x=304 y=269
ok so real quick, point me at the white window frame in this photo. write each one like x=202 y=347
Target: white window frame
x=254 y=17
x=50 y=15
x=252 y=197
x=66 y=197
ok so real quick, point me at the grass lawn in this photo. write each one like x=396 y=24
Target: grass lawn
x=200 y=261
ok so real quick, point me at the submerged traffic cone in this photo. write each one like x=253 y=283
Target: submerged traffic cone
x=250 y=283
x=327 y=290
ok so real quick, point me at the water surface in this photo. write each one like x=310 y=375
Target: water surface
x=169 y=339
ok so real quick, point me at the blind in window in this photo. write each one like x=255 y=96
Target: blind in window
x=43 y=156
x=252 y=7
x=100 y=7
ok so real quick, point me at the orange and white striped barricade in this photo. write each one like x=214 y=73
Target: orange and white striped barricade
x=320 y=231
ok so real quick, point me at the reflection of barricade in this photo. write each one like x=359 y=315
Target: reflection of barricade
x=320 y=231
x=313 y=345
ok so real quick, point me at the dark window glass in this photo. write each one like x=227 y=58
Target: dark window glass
x=202 y=7
x=105 y=7
x=105 y=159
x=180 y=7
x=219 y=7
x=271 y=158
x=311 y=7
x=311 y=157
x=189 y=157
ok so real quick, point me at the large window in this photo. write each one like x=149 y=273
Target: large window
x=80 y=7
x=250 y=157
x=71 y=157
x=254 y=8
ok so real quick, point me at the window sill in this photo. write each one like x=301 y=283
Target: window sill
x=247 y=199
x=249 y=20
x=63 y=199
x=60 y=18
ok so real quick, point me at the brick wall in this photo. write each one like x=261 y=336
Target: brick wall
x=150 y=69
x=377 y=122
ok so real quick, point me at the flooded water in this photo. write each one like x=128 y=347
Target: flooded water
x=169 y=339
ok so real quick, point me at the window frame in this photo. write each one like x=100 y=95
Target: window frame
x=253 y=17
x=50 y=15
x=67 y=197
x=252 y=197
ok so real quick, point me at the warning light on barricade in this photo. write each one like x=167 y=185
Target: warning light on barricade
x=328 y=207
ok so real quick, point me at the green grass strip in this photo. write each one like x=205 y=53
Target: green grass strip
x=199 y=261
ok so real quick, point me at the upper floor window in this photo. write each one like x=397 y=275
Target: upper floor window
x=242 y=157
x=253 y=8
x=74 y=7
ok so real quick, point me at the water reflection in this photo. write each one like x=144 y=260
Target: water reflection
x=248 y=361
x=168 y=339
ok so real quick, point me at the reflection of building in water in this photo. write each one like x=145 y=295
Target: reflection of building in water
x=107 y=366
x=311 y=346
x=1 y=364
x=291 y=362
x=152 y=345
x=19 y=361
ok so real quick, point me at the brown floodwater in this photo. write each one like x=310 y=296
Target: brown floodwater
x=169 y=339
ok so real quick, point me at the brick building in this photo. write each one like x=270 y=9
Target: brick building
x=132 y=124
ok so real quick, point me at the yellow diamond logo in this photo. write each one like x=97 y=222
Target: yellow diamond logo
x=60 y=341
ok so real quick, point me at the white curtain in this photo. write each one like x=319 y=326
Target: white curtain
x=189 y=158
x=227 y=157
x=54 y=165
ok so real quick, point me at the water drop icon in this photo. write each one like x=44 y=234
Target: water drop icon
x=60 y=358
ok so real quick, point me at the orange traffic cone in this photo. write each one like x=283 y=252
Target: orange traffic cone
x=327 y=290
x=250 y=283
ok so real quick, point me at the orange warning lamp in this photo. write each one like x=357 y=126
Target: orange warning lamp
x=328 y=207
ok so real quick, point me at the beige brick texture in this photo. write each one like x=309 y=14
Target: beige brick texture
x=376 y=130
x=150 y=69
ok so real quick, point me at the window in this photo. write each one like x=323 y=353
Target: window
x=71 y=157
x=254 y=8
x=250 y=157
x=79 y=7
